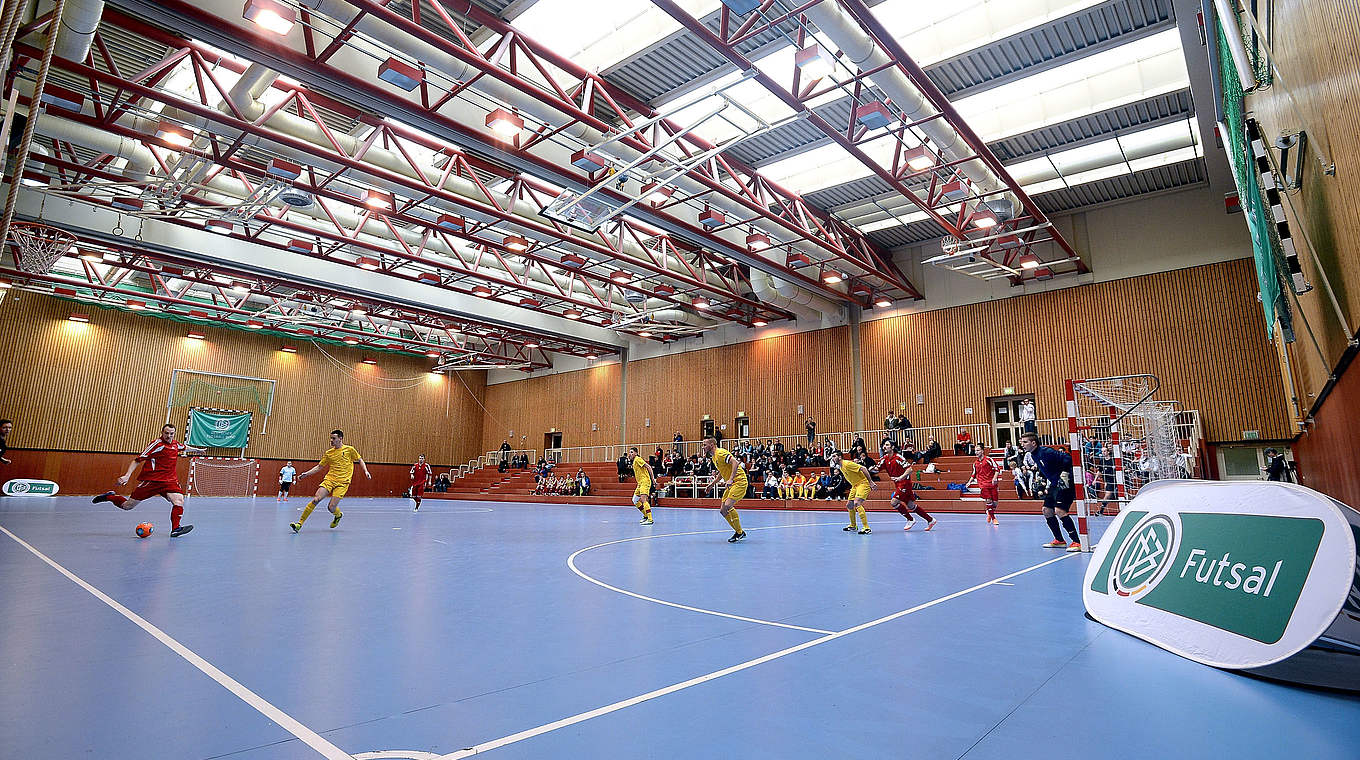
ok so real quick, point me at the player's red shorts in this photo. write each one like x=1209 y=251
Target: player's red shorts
x=148 y=488
x=418 y=489
x=989 y=492
x=904 y=493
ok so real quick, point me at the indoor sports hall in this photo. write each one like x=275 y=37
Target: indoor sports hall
x=422 y=379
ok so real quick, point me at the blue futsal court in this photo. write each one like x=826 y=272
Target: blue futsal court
x=524 y=631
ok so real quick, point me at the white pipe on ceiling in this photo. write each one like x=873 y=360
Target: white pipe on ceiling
x=861 y=50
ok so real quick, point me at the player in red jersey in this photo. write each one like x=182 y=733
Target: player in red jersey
x=420 y=475
x=900 y=468
x=986 y=474
x=157 y=478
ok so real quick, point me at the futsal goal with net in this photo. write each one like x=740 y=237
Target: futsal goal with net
x=223 y=476
x=1121 y=439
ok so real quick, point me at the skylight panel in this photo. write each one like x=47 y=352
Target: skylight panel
x=597 y=37
x=932 y=32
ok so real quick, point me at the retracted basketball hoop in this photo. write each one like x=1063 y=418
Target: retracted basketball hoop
x=38 y=246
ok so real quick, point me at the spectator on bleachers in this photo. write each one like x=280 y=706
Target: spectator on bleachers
x=828 y=448
x=800 y=456
x=963 y=442
x=582 y=482
x=932 y=452
x=1012 y=454
x=502 y=465
x=771 y=486
x=818 y=458
x=908 y=451
x=1027 y=415
x=778 y=448
x=1018 y=475
x=625 y=468
x=838 y=488
x=505 y=449
x=890 y=425
x=858 y=445
x=904 y=425
x=679 y=441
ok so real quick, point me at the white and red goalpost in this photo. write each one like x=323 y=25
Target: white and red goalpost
x=1123 y=437
x=223 y=476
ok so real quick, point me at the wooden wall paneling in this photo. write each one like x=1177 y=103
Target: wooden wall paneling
x=1317 y=47
x=103 y=386
x=570 y=401
x=1197 y=329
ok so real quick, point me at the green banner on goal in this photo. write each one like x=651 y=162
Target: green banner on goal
x=218 y=429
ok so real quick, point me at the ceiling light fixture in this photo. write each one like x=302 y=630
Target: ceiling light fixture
x=284 y=169
x=220 y=226
x=369 y=263
x=711 y=217
x=351 y=340
x=757 y=241
x=451 y=222
x=481 y=291
x=174 y=134
x=504 y=123
x=1029 y=261
x=874 y=115
x=814 y=61
x=831 y=277
x=270 y=14
x=759 y=323
x=369 y=361
x=621 y=277
x=883 y=302
x=254 y=324
x=400 y=74
x=515 y=243
x=135 y=305
x=379 y=200
x=919 y=158
x=288 y=349
x=79 y=317
x=571 y=314
x=194 y=335
x=656 y=194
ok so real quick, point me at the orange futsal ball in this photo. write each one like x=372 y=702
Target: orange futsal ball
x=144 y=529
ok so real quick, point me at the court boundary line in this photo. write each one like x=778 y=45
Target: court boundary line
x=530 y=733
x=571 y=564
x=260 y=704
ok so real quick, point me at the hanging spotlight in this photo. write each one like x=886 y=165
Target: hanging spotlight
x=757 y=241
x=656 y=194
x=874 y=115
x=515 y=243
x=919 y=158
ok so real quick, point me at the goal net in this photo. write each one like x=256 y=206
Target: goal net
x=1121 y=439
x=223 y=476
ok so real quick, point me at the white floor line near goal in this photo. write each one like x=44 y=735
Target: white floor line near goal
x=284 y=720
x=639 y=699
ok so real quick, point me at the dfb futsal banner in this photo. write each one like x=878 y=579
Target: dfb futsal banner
x=1229 y=574
x=218 y=429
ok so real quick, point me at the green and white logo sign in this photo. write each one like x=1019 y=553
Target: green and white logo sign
x=1230 y=574
x=218 y=429
x=27 y=487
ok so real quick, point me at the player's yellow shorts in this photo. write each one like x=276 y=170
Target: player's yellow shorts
x=643 y=490
x=860 y=491
x=336 y=488
x=737 y=490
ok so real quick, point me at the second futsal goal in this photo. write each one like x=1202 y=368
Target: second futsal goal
x=223 y=476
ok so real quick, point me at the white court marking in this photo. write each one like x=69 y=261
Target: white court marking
x=571 y=563
x=284 y=720
x=622 y=704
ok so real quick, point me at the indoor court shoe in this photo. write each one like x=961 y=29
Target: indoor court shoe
x=930 y=526
x=295 y=526
x=336 y=521
x=181 y=530
x=645 y=521
x=103 y=497
x=849 y=528
x=910 y=524
x=1055 y=544
x=865 y=531
x=737 y=537
x=1075 y=546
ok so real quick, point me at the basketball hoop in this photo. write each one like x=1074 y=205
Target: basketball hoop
x=38 y=246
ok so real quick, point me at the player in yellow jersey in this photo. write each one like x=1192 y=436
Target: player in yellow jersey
x=339 y=459
x=857 y=475
x=642 y=473
x=733 y=475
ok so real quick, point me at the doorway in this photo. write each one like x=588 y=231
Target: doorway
x=742 y=428
x=1005 y=419
x=705 y=429
x=1241 y=462
x=552 y=441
